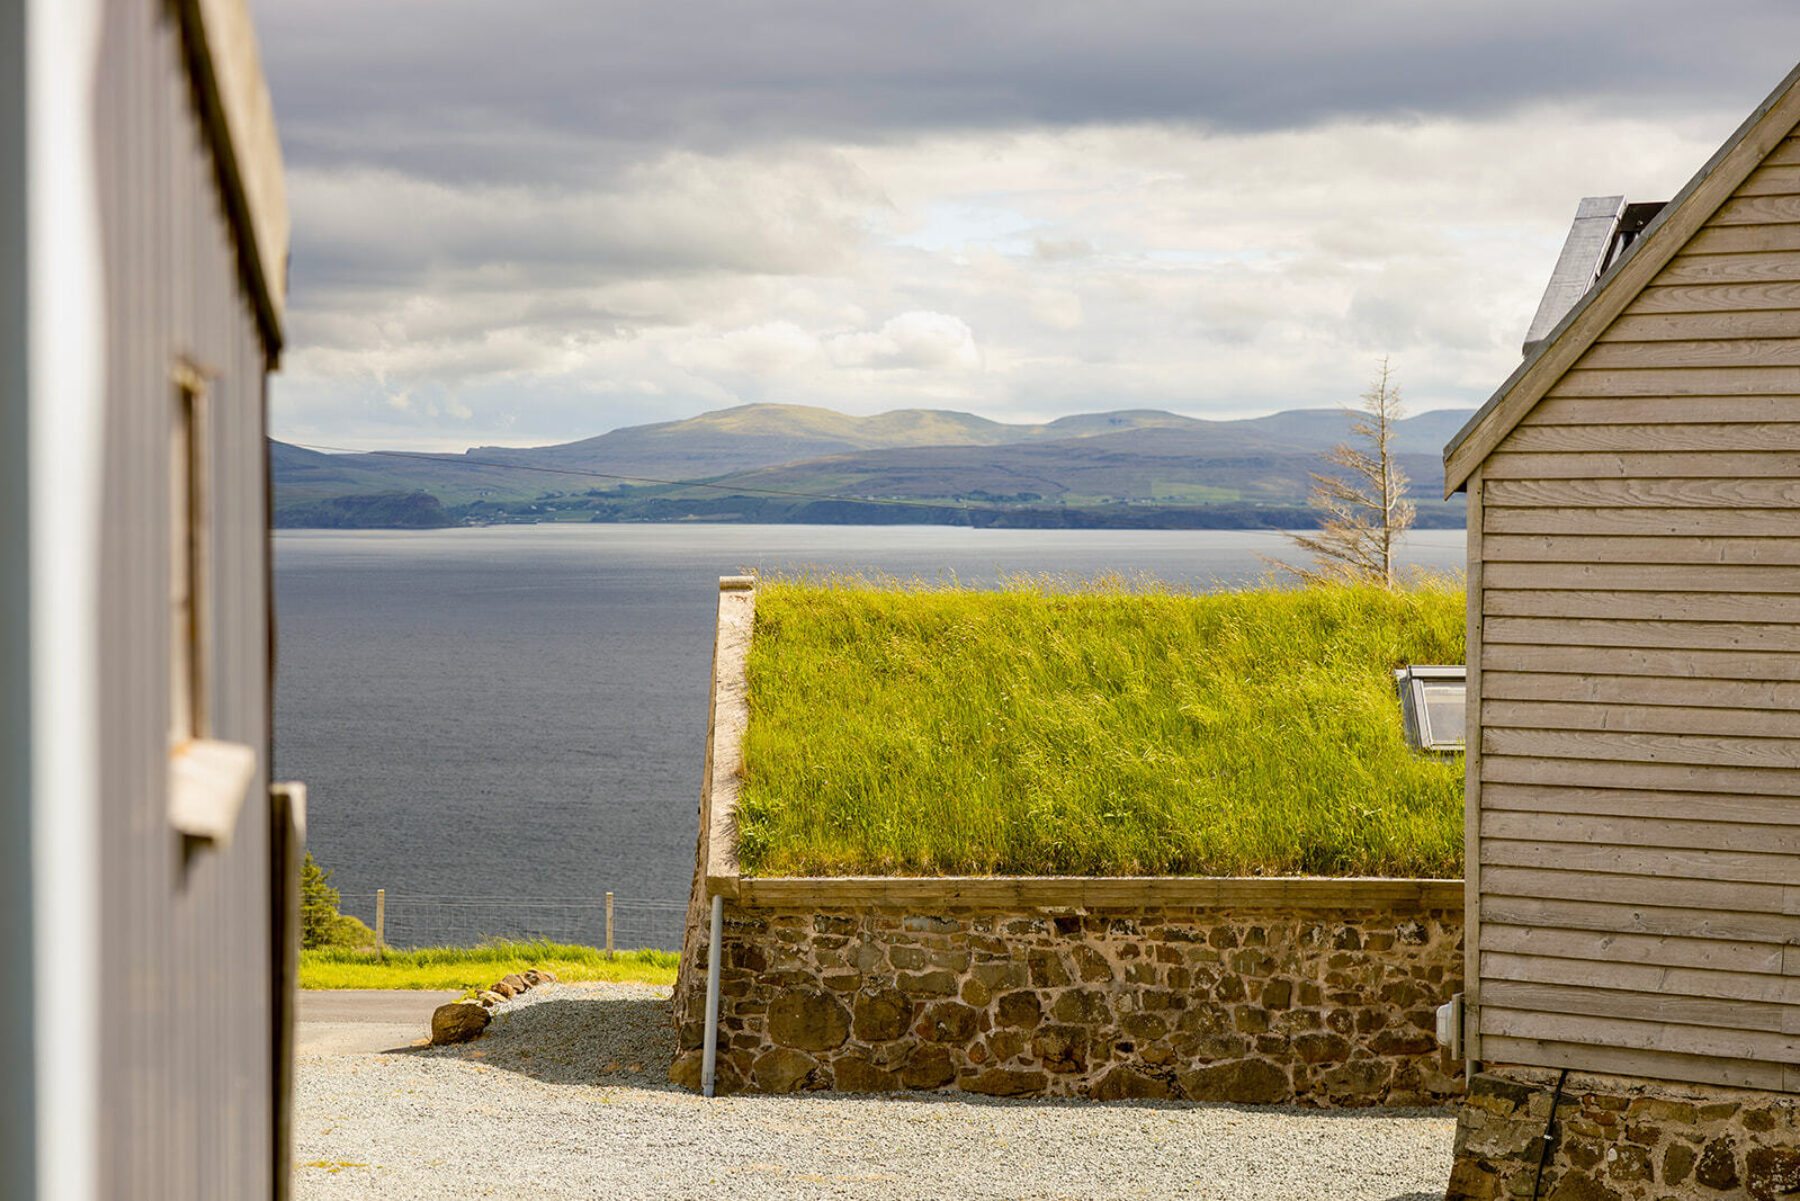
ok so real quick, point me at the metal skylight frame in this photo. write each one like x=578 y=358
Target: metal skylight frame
x=1427 y=710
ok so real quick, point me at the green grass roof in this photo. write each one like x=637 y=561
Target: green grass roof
x=1042 y=731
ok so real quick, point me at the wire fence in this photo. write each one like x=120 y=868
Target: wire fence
x=417 y=919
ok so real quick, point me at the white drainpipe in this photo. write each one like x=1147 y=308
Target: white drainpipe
x=709 y=1057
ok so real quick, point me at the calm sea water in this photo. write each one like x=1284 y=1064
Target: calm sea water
x=500 y=725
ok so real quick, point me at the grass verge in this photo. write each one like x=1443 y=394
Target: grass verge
x=1104 y=730
x=478 y=967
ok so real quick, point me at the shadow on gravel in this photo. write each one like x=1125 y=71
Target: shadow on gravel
x=576 y=1040
x=631 y=1041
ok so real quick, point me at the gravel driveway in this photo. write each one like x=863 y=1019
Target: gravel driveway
x=567 y=1096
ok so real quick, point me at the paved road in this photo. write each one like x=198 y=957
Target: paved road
x=357 y=1021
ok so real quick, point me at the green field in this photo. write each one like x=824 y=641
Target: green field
x=1099 y=729
x=478 y=967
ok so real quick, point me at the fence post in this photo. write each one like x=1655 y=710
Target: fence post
x=380 y=919
x=609 y=942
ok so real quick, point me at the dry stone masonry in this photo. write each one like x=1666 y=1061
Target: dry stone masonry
x=1327 y=1007
x=1618 y=1139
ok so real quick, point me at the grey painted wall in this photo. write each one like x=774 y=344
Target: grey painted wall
x=187 y=1017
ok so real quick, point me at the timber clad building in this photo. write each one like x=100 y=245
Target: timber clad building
x=1634 y=653
x=147 y=868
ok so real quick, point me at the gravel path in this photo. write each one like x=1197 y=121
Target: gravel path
x=567 y=1096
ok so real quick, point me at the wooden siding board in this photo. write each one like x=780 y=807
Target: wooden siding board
x=1651 y=522
x=1620 y=1061
x=1680 y=381
x=1582 y=971
x=1573 y=632
x=1672 y=437
x=1639 y=410
x=1765 y=266
x=1641 y=1035
x=1673 y=777
x=1703 y=832
x=1545 y=947
x=1757 y=210
x=1666 y=920
x=1638 y=465
x=1640 y=719
x=1709 y=750
x=1627 y=802
x=1627 y=605
x=1661 y=663
x=1715 y=298
x=1743 y=239
x=1670 y=864
x=1573 y=882
x=1605 y=996
x=1595 y=548
x=1644 y=577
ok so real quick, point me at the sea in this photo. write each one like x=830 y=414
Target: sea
x=498 y=726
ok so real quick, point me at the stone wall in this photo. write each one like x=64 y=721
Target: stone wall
x=1326 y=1006
x=1620 y=1139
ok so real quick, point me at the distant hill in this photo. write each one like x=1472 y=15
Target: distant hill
x=1248 y=472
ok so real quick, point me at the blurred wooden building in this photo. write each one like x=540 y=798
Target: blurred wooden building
x=1633 y=798
x=147 y=869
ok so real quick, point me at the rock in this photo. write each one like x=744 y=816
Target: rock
x=1123 y=1084
x=1322 y=1048
x=1678 y=1161
x=852 y=1075
x=930 y=1067
x=517 y=981
x=489 y=998
x=534 y=978
x=939 y=982
x=1246 y=1081
x=458 y=1022
x=809 y=1020
x=1061 y=1048
x=1717 y=1168
x=1771 y=1172
x=1006 y=1082
x=1021 y=1009
x=882 y=1015
x=548 y=975
x=783 y=1070
x=949 y=1022
x=1358 y=1078
x=1578 y=1187
x=685 y=1071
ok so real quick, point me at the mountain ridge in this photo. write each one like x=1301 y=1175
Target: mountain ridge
x=1141 y=456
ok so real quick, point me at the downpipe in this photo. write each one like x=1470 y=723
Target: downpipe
x=709 y=1058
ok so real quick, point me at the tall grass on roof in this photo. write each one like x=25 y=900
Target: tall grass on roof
x=1111 y=729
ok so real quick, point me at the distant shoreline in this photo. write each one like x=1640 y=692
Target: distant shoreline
x=421 y=510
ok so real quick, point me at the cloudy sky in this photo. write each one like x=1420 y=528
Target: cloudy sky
x=533 y=221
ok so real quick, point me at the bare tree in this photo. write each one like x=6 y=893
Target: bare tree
x=1364 y=501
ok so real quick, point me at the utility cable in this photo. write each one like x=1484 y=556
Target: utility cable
x=1549 y=1125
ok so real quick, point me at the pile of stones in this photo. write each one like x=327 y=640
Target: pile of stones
x=460 y=1021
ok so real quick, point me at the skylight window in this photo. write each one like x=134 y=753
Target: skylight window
x=1431 y=706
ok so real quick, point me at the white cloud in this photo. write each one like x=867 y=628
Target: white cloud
x=1023 y=274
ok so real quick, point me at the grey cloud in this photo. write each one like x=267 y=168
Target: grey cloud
x=538 y=89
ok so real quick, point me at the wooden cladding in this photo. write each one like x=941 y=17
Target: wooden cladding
x=1637 y=837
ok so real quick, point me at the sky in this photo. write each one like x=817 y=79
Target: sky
x=531 y=222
